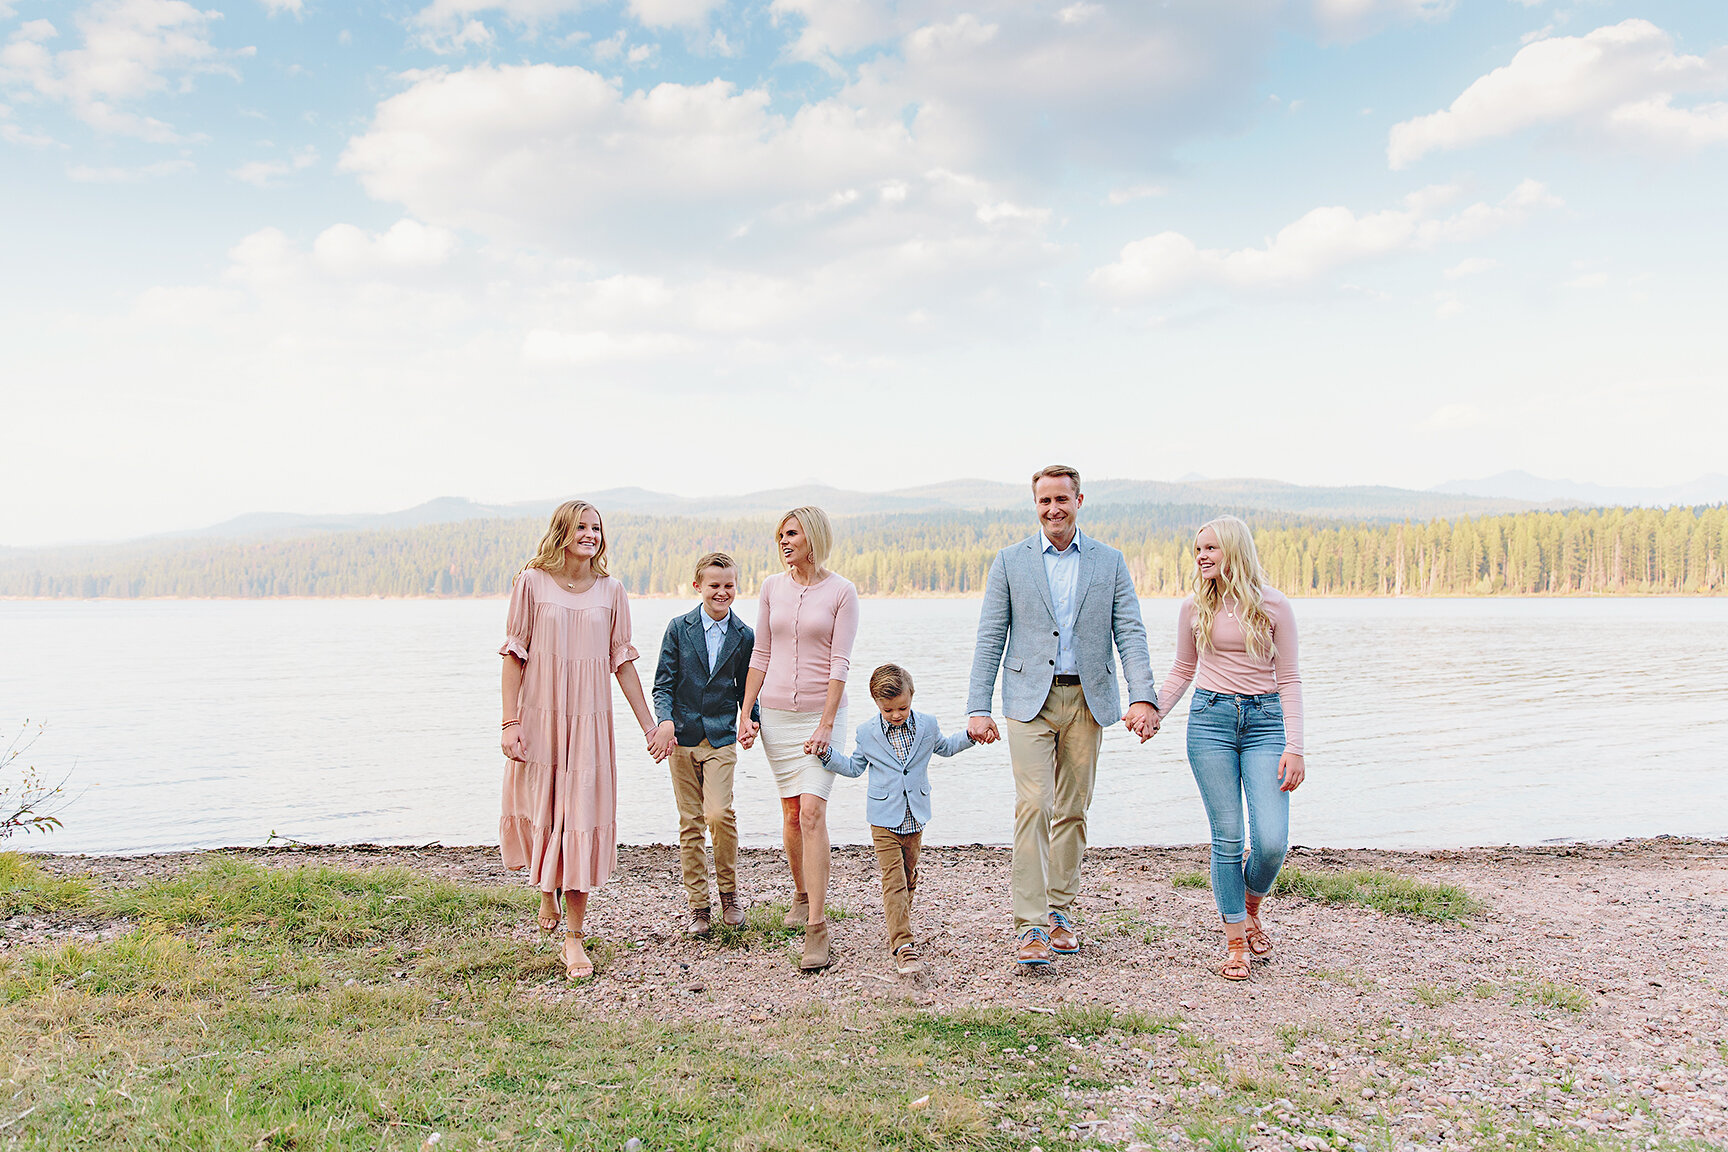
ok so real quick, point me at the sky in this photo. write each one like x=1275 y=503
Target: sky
x=285 y=255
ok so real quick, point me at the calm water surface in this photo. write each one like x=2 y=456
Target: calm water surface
x=1431 y=723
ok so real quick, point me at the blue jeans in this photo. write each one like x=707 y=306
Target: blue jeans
x=1234 y=744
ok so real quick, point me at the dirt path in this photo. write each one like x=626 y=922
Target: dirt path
x=1591 y=996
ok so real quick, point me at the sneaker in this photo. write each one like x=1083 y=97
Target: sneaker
x=907 y=962
x=1034 y=947
x=700 y=923
x=1063 y=939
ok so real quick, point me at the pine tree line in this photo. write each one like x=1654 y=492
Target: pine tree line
x=1587 y=551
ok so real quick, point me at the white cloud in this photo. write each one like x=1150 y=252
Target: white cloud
x=278 y=7
x=1323 y=239
x=1455 y=418
x=1133 y=192
x=1472 y=266
x=128 y=50
x=673 y=13
x=543 y=346
x=1619 y=82
x=86 y=174
x=408 y=245
x=267 y=173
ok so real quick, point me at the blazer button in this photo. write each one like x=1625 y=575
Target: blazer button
x=1052 y=663
x=1057 y=633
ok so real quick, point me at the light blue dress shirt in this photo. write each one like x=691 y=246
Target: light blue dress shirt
x=714 y=633
x=1062 y=569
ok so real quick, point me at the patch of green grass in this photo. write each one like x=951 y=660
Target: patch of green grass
x=318 y=907
x=1190 y=880
x=25 y=886
x=1486 y=990
x=1386 y=892
x=1550 y=994
x=1213 y=1137
x=1432 y=995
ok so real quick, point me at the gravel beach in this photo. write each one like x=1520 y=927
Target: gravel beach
x=1587 y=1002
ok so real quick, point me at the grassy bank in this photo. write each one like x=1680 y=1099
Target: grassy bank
x=235 y=1006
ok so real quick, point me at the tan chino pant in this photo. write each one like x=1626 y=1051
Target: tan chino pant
x=897 y=856
x=1055 y=758
x=702 y=789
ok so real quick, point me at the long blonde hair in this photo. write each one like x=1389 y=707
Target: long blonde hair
x=1240 y=580
x=563 y=526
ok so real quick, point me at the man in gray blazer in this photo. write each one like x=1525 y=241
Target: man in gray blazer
x=1053 y=606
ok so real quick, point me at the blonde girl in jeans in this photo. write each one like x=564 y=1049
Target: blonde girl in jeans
x=1236 y=641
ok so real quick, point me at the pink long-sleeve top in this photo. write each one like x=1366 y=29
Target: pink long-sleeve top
x=803 y=640
x=1227 y=667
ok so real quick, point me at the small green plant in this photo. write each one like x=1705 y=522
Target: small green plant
x=1214 y=1137
x=1384 y=891
x=27 y=804
x=1433 y=996
x=1550 y=994
x=1191 y=880
x=1486 y=990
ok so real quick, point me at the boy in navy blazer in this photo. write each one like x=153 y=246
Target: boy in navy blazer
x=896 y=747
x=698 y=690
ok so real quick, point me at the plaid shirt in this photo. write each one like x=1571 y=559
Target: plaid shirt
x=900 y=738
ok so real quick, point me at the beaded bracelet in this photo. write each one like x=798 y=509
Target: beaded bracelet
x=507 y=723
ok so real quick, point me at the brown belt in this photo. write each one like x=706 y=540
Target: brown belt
x=1068 y=681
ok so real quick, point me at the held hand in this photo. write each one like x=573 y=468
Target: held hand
x=1143 y=720
x=1291 y=771
x=818 y=742
x=513 y=744
x=661 y=738
x=982 y=729
x=747 y=729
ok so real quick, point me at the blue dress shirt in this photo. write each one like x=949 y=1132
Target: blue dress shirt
x=1062 y=569
x=714 y=633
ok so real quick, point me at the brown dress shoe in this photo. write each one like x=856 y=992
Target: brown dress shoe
x=800 y=913
x=1064 y=941
x=816 y=952
x=700 y=923
x=1034 y=947
x=731 y=914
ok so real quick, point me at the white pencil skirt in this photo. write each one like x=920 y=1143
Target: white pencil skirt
x=796 y=773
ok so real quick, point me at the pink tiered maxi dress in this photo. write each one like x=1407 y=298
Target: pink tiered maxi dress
x=560 y=809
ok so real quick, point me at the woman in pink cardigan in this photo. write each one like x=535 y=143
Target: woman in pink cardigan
x=806 y=620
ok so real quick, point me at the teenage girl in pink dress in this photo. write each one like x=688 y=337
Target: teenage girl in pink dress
x=566 y=637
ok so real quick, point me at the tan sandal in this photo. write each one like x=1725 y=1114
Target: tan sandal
x=1258 y=942
x=549 y=923
x=580 y=968
x=1235 y=966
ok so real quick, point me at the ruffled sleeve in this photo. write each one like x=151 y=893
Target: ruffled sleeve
x=519 y=621
x=623 y=651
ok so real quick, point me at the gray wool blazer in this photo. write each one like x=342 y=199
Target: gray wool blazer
x=1017 y=633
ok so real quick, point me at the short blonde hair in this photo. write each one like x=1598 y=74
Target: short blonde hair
x=817 y=529
x=889 y=681
x=1072 y=474
x=714 y=560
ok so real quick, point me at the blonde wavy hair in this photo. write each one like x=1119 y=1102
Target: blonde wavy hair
x=817 y=529
x=1241 y=580
x=550 y=555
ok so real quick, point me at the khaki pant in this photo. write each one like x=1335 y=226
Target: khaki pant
x=702 y=788
x=1055 y=758
x=897 y=856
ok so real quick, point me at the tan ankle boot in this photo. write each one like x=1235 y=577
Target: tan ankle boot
x=800 y=913
x=816 y=949
x=731 y=913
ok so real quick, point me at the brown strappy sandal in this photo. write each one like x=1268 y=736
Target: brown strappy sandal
x=578 y=969
x=1258 y=942
x=549 y=923
x=1235 y=966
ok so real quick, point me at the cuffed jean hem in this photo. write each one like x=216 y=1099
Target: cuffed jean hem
x=1234 y=745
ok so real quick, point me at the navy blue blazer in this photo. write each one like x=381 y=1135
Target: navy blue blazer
x=703 y=705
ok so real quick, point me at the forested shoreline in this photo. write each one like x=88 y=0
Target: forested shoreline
x=1613 y=551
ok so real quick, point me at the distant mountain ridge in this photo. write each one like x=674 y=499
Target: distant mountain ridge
x=965 y=495
x=1519 y=485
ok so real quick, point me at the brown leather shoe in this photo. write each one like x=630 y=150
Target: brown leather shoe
x=1064 y=941
x=800 y=913
x=731 y=914
x=1034 y=947
x=700 y=923
x=816 y=950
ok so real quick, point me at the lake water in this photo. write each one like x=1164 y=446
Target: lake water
x=1432 y=723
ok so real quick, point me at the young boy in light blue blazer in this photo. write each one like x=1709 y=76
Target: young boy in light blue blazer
x=896 y=747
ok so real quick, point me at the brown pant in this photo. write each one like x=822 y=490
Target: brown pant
x=897 y=856
x=1055 y=759
x=702 y=788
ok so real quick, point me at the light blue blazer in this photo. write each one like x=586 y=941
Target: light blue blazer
x=1017 y=633
x=891 y=784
